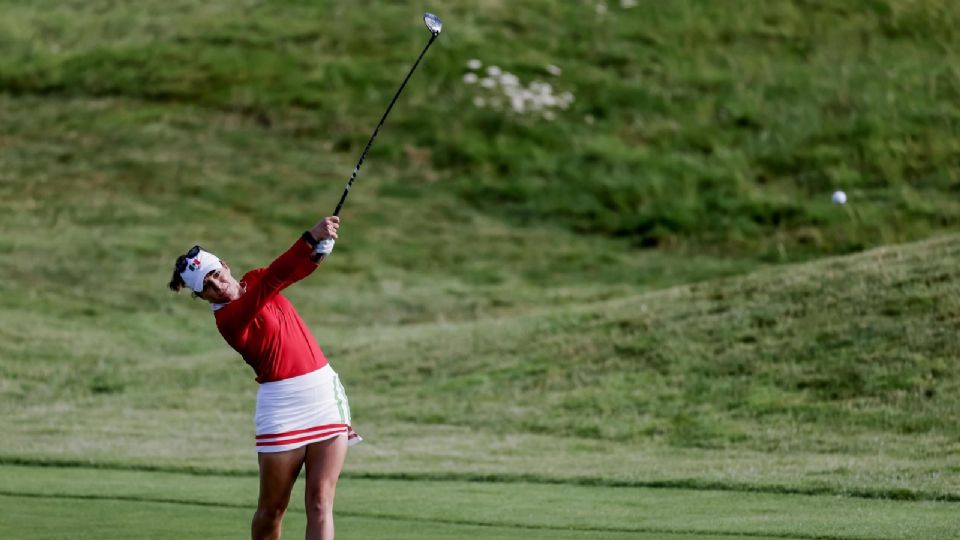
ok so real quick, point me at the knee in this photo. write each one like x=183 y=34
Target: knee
x=320 y=499
x=271 y=511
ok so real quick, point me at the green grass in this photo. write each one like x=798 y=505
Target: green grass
x=695 y=127
x=856 y=346
x=630 y=297
x=714 y=384
x=215 y=506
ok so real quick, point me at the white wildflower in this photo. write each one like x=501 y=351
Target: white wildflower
x=554 y=70
x=474 y=63
x=509 y=79
x=502 y=90
x=511 y=91
x=627 y=4
x=601 y=8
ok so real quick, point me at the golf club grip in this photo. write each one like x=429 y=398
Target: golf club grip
x=376 y=130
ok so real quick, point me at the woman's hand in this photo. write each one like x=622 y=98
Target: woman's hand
x=326 y=228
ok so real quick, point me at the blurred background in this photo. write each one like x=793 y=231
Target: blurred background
x=594 y=244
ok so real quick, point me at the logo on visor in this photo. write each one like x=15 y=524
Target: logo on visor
x=194 y=264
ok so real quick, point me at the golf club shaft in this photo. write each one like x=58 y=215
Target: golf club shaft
x=346 y=190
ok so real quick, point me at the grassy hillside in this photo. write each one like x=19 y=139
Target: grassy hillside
x=693 y=126
x=832 y=374
x=588 y=295
x=829 y=356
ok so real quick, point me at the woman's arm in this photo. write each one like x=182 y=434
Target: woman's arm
x=293 y=265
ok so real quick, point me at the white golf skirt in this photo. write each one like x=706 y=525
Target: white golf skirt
x=302 y=410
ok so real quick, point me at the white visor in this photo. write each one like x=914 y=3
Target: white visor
x=198 y=267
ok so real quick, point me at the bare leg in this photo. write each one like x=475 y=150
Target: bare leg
x=278 y=472
x=324 y=462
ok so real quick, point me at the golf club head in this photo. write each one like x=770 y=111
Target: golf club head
x=434 y=24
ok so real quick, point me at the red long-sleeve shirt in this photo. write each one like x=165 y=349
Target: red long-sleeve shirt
x=263 y=326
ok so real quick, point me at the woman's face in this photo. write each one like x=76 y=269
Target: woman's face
x=219 y=286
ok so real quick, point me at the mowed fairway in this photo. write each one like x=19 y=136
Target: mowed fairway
x=53 y=502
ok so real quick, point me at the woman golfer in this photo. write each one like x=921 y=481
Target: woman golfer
x=303 y=418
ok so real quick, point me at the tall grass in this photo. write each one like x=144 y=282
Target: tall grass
x=694 y=126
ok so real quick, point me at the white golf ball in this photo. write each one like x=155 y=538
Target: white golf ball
x=839 y=197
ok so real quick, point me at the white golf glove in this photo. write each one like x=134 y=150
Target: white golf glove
x=324 y=247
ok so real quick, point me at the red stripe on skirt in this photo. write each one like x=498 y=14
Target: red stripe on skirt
x=302 y=439
x=299 y=431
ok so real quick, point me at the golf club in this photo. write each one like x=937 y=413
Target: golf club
x=434 y=24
